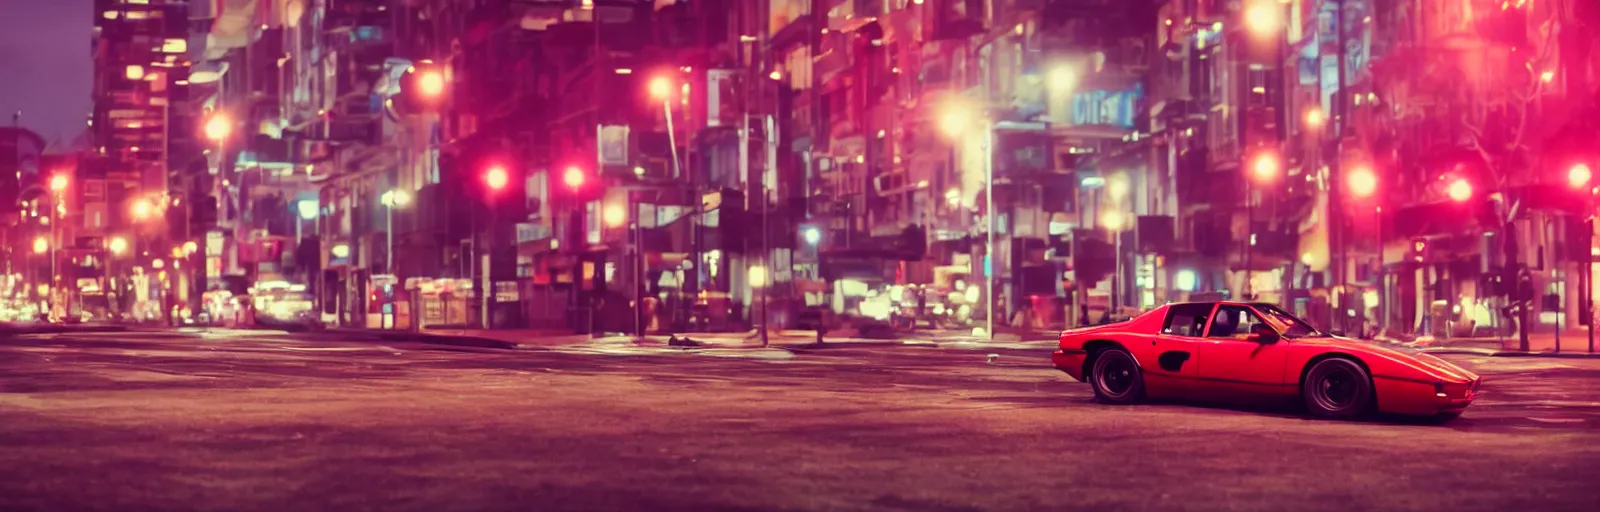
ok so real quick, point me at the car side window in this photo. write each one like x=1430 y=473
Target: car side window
x=1233 y=322
x=1186 y=320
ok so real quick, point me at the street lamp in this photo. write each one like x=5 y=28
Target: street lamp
x=660 y=89
x=1459 y=190
x=392 y=199
x=217 y=127
x=118 y=245
x=812 y=235
x=615 y=215
x=1264 y=169
x=955 y=119
x=1315 y=118
x=1264 y=17
x=41 y=245
x=497 y=178
x=58 y=183
x=431 y=83
x=1579 y=175
x=1362 y=182
x=140 y=209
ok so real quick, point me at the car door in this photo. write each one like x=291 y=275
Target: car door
x=1168 y=359
x=1234 y=365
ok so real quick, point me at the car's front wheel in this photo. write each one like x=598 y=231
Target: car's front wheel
x=1337 y=388
x=1115 y=377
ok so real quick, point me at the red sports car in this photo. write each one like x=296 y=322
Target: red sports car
x=1248 y=351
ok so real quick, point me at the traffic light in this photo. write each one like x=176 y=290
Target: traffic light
x=1419 y=250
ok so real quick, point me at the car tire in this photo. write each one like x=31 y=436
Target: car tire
x=1115 y=377
x=1337 y=388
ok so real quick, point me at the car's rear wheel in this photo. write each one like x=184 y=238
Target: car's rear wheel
x=1337 y=388
x=1115 y=377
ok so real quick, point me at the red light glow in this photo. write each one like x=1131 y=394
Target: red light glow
x=1265 y=168
x=1579 y=175
x=1460 y=190
x=497 y=177
x=574 y=177
x=1363 y=182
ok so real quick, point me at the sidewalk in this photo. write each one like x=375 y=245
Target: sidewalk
x=1574 y=343
x=784 y=339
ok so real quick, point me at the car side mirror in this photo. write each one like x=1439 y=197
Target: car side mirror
x=1263 y=334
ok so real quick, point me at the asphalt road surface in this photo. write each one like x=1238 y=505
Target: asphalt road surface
x=240 y=421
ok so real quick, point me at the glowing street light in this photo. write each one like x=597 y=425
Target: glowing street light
x=117 y=245
x=956 y=118
x=218 y=127
x=497 y=178
x=1459 y=190
x=812 y=235
x=393 y=198
x=1579 y=175
x=1264 y=17
x=660 y=88
x=1112 y=220
x=431 y=83
x=1362 y=181
x=1062 y=78
x=41 y=245
x=1265 y=168
x=1315 y=117
x=58 y=183
x=574 y=177
x=190 y=247
x=141 y=209
x=615 y=215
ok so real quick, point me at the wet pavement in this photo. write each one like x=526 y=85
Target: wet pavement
x=243 y=420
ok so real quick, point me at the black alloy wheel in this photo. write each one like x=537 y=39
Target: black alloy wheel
x=1337 y=388
x=1116 y=378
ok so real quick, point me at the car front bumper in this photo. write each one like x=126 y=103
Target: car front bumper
x=1070 y=361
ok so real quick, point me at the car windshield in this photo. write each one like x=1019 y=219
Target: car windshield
x=1286 y=323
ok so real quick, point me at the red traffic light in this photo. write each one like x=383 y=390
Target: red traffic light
x=1579 y=175
x=574 y=177
x=1460 y=190
x=497 y=177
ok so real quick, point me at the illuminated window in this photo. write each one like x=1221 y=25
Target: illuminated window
x=137 y=15
x=111 y=15
x=135 y=72
x=175 y=46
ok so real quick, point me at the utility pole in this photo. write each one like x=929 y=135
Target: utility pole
x=1336 y=217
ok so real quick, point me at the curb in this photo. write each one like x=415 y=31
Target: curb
x=1511 y=353
x=453 y=340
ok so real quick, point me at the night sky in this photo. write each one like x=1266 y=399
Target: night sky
x=45 y=66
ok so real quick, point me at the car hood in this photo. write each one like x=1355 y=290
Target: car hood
x=1422 y=362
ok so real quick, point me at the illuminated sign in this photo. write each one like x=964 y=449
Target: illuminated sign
x=1107 y=108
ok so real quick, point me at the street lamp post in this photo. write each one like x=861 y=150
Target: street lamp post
x=955 y=121
x=58 y=187
x=391 y=200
